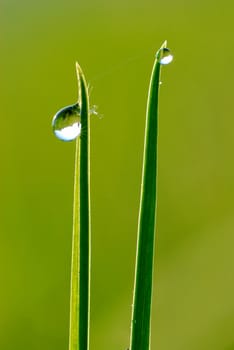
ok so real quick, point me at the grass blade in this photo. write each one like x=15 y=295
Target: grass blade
x=80 y=270
x=141 y=314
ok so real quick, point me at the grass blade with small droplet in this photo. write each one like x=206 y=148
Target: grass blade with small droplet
x=141 y=313
x=80 y=271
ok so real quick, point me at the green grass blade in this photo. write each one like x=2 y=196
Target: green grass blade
x=141 y=315
x=80 y=271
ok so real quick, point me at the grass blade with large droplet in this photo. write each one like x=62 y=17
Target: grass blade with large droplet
x=141 y=314
x=80 y=271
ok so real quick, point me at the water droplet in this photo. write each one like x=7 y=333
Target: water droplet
x=66 y=123
x=164 y=56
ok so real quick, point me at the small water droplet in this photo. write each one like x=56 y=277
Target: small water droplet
x=94 y=110
x=164 y=56
x=66 y=123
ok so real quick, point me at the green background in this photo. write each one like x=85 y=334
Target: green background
x=115 y=43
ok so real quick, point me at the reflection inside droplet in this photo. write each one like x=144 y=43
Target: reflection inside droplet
x=68 y=133
x=164 y=56
x=66 y=123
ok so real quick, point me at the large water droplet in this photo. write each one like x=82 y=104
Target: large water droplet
x=66 y=123
x=164 y=56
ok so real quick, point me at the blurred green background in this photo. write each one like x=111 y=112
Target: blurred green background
x=115 y=43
